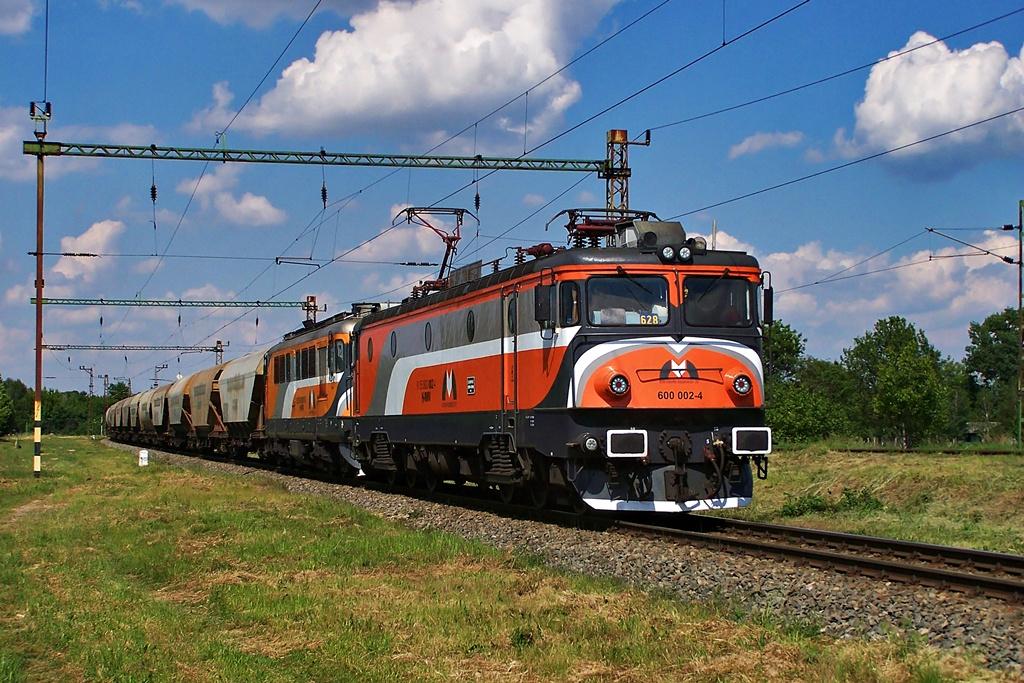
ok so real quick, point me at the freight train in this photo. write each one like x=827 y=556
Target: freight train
x=620 y=373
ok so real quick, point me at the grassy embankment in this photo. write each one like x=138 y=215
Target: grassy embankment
x=967 y=500
x=113 y=572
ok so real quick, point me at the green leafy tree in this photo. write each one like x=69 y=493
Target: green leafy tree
x=897 y=374
x=797 y=411
x=992 y=354
x=991 y=366
x=958 y=408
x=784 y=351
x=797 y=414
x=116 y=392
x=6 y=412
x=23 y=400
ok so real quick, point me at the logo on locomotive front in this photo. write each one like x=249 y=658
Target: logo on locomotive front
x=678 y=370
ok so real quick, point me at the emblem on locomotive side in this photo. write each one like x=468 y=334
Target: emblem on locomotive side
x=448 y=391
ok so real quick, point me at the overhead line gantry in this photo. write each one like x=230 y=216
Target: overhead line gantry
x=77 y=149
x=613 y=170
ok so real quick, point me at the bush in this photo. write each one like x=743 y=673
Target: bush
x=851 y=500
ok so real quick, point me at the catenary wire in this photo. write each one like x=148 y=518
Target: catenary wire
x=847 y=164
x=820 y=81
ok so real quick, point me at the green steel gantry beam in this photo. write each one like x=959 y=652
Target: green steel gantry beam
x=75 y=149
x=130 y=347
x=179 y=303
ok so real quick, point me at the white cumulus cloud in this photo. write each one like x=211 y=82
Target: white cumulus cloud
x=15 y=17
x=832 y=296
x=15 y=127
x=99 y=238
x=263 y=13
x=933 y=90
x=215 y=190
x=419 y=66
x=762 y=141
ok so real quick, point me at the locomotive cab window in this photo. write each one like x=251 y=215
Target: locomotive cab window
x=718 y=301
x=569 y=304
x=336 y=356
x=627 y=300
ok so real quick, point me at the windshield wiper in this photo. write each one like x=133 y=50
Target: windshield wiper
x=622 y=271
x=712 y=285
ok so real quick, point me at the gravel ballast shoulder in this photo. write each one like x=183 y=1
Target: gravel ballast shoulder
x=842 y=606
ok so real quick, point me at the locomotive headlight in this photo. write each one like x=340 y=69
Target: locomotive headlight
x=618 y=385
x=667 y=253
x=742 y=385
x=612 y=384
x=685 y=254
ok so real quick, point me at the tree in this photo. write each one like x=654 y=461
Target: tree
x=118 y=391
x=784 y=349
x=23 y=400
x=992 y=354
x=6 y=412
x=991 y=364
x=897 y=374
x=797 y=414
x=797 y=411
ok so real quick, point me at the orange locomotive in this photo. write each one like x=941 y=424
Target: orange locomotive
x=622 y=374
x=626 y=378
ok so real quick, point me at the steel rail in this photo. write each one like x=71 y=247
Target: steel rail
x=1010 y=590
x=951 y=556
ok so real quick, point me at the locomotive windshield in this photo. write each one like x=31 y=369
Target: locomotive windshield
x=627 y=300
x=718 y=301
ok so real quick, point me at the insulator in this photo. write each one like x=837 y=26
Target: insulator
x=179 y=321
x=101 y=321
x=152 y=192
x=257 y=321
x=476 y=201
x=323 y=194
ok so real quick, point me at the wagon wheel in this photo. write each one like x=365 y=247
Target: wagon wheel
x=390 y=476
x=506 y=492
x=430 y=480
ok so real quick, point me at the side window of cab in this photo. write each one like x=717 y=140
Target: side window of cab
x=569 y=304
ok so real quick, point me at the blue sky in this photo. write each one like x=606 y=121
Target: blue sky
x=402 y=77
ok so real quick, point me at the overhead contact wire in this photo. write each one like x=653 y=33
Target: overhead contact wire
x=848 y=164
x=895 y=55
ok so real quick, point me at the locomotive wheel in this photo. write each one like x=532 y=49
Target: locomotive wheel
x=538 y=494
x=506 y=492
x=430 y=481
x=411 y=476
x=391 y=476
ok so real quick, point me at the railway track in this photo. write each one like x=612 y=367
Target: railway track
x=974 y=572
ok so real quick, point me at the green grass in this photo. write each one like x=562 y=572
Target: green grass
x=111 y=572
